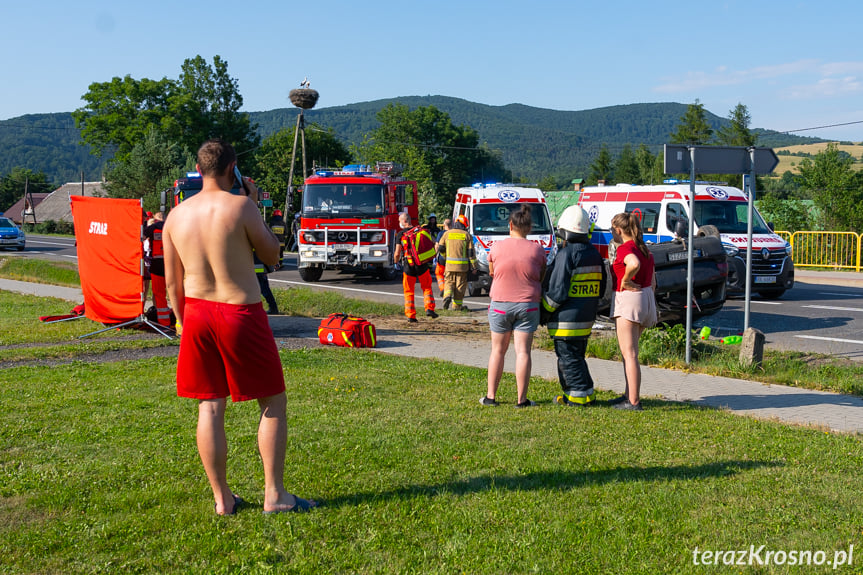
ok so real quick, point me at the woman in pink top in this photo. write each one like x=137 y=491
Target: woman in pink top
x=634 y=306
x=517 y=266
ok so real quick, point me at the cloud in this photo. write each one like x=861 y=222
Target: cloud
x=811 y=79
x=826 y=88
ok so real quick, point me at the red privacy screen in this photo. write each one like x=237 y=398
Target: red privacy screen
x=108 y=234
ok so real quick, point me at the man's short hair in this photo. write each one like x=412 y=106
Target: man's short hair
x=214 y=157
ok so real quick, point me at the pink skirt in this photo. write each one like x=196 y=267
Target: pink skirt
x=636 y=306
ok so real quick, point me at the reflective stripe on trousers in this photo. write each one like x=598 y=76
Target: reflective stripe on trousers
x=409 y=284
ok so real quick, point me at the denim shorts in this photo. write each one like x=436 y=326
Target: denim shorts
x=506 y=316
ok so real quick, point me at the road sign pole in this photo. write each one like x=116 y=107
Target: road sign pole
x=751 y=201
x=690 y=260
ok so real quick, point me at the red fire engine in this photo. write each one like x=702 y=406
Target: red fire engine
x=349 y=219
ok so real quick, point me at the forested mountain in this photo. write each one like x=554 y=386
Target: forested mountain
x=535 y=142
x=48 y=143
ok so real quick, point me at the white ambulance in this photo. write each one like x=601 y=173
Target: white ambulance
x=487 y=208
x=719 y=210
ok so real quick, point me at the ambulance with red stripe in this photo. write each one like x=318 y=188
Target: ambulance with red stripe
x=720 y=211
x=487 y=208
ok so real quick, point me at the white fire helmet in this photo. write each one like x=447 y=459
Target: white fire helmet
x=574 y=219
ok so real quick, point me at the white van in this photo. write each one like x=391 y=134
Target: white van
x=487 y=208
x=719 y=210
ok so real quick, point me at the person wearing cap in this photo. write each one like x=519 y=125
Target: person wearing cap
x=571 y=293
x=456 y=250
x=277 y=225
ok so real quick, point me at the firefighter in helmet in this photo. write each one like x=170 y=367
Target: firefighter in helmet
x=571 y=293
x=456 y=250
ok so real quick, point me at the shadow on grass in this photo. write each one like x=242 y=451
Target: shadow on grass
x=558 y=480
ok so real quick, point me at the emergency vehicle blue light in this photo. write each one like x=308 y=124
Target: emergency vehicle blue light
x=478 y=185
x=670 y=181
x=193 y=175
x=323 y=173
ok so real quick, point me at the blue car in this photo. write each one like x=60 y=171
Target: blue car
x=11 y=236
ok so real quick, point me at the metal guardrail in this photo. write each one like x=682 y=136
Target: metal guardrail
x=837 y=250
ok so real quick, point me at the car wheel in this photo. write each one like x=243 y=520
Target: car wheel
x=705 y=231
x=772 y=294
x=20 y=248
x=311 y=274
x=474 y=289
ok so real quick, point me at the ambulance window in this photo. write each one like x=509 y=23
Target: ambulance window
x=648 y=213
x=675 y=213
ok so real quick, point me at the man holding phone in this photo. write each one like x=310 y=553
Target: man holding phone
x=227 y=346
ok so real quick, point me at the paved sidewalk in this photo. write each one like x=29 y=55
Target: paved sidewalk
x=832 y=411
x=44 y=290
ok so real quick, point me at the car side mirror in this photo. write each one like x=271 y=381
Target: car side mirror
x=771 y=227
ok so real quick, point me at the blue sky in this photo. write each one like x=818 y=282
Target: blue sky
x=793 y=64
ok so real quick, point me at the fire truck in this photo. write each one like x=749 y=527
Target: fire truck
x=349 y=219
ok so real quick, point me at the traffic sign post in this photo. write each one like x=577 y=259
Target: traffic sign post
x=680 y=159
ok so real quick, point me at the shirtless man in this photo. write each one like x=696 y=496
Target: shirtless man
x=227 y=346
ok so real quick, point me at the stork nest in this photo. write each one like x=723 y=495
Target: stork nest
x=304 y=98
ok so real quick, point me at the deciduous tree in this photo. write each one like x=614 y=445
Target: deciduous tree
x=205 y=102
x=272 y=161
x=13 y=185
x=438 y=154
x=838 y=193
x=150 y=167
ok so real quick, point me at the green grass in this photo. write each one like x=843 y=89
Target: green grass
x=24 y=338
x=659 y=347
x=99 y=474
x=666 y=348
x=306 y=302
x=39 y=271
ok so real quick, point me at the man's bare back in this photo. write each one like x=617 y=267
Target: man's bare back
x=208 y=247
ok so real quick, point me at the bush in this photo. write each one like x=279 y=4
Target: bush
x=50 y=227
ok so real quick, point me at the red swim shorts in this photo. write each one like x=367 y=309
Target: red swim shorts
x=227 y=349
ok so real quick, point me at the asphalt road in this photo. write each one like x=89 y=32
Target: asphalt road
x=811 y=317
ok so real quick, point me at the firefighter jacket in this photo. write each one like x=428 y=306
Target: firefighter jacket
x=456 y=251
x=572 y=289
x=277 y=225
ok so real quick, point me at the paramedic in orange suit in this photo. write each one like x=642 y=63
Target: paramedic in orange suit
x=410 y=275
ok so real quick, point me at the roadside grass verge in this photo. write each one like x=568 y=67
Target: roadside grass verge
x=306 y=302
x=40 y=271
x=666 y=348
x=23 y=337
x=100 y=474
x=659 y=347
